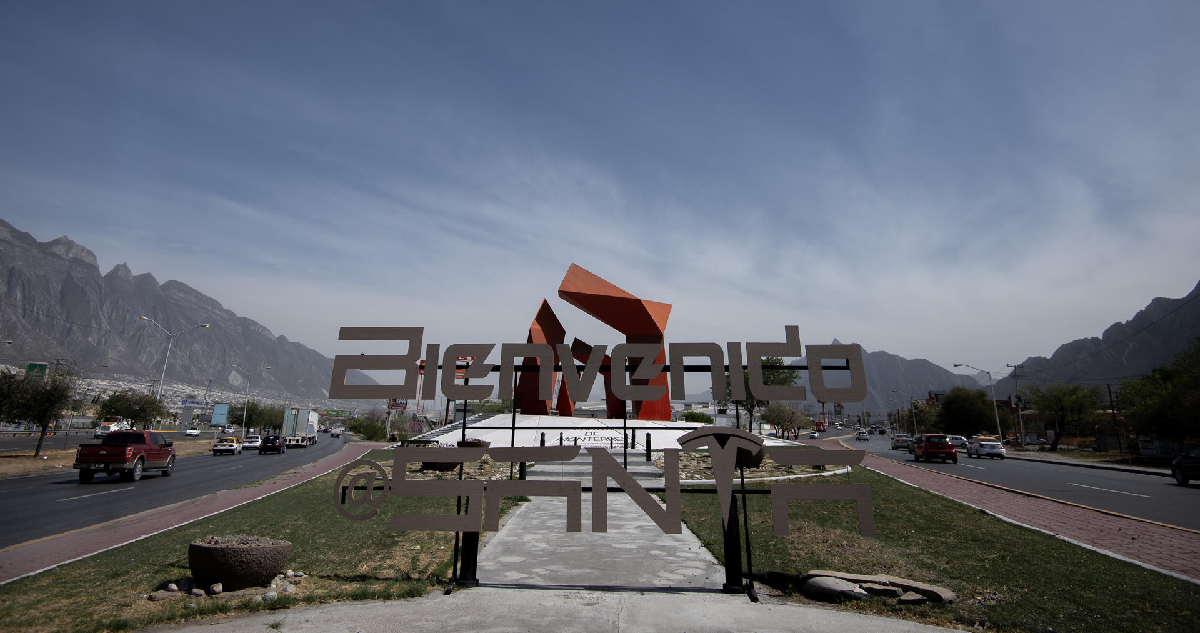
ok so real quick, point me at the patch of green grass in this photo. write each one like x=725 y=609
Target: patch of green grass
x=344 y=560
x=1008 y=578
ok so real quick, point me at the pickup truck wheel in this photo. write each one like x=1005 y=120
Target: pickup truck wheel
x=170 y=469
x=85 y=475
x=135 y=474
x=1180 y=478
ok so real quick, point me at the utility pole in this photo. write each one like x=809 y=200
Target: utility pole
x=1112 y=408
x=1017 y=386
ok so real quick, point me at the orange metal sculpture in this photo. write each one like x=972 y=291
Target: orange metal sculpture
x=640 y=320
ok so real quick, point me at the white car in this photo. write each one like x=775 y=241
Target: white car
x=986 y=446
x=192 y=432
x=252 y=441
x=227 y=445
x=958 y=441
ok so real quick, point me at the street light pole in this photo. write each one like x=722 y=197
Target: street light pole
x=170 y=342
x=911 y=407
x=247 y=406
x=992 y=383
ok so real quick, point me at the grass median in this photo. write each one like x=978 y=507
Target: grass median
x=1008 y=578
x=343 y=560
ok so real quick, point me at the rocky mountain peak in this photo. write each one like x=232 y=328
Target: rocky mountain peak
x=68 y=249
x=120 y=271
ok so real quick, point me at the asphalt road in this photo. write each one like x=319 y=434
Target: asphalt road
x=42 y=505
x=1143 y=496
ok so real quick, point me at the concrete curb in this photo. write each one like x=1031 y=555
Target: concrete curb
x=1066 y=462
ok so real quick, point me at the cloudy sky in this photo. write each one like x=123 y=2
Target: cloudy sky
x=971 y=182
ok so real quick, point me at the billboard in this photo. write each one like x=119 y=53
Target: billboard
x=397 y=404
x=220 y=414
x=36 y=371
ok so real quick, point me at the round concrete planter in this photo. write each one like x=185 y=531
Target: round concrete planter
x=237 y=562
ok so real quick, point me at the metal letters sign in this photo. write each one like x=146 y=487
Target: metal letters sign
x=483 y=498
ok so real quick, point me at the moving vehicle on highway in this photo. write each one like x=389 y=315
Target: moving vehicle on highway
x=300 y=427
x=227 y=445
x=862 y=436
x=901 y=440
x=1186 y=467
x=272 y=444
x=192 y=432
x=109 y=424
x=931 y=446
x=958 y=441
x=986 y=446
x=129 y=453
x=252 y=442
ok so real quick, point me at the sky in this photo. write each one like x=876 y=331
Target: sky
x=966 y=182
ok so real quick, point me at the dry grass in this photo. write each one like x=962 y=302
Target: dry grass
x=696 y=466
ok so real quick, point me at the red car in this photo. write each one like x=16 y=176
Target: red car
x=931 y=446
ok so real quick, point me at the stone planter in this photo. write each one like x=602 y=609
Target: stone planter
x=237 y=561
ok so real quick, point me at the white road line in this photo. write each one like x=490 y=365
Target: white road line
x=97 y=494
x=230 y=468
x=973 y=466
x=16 y=489
x=1132 y=494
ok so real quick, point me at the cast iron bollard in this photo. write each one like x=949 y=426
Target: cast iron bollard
x=648 y=447
x=543 y=438
x=521 y=471
x=560 y=442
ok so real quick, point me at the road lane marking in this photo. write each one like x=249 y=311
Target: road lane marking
x=973 y=466
x=230 y=468
x=16 y=489
x=1132 y=494
x=97 y=494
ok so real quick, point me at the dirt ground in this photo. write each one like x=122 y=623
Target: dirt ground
x=18 y=463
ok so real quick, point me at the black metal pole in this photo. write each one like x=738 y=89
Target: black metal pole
x=625 y=434
x=746 y=524
x=733 y=552
x=468 y=575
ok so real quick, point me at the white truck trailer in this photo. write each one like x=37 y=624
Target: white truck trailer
x=300 y=427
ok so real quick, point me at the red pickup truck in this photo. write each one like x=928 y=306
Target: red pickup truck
x=127 y=452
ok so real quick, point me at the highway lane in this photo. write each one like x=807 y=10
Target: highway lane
x=1143 y=496
x=42 y=505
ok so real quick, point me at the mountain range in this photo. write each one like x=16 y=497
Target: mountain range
x=56 y=306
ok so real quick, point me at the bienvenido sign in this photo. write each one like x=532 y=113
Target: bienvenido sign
x=634 y=362
x=578 y=380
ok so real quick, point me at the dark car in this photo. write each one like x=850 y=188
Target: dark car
x=272 y=444
x=1186 y=467
x=931 y=446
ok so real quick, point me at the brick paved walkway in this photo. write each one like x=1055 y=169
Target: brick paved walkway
x=1169 y=549
x=33 y=556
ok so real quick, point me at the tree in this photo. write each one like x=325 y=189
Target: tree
x=789 y=421
x=139 y=408
x=12 y=389
x=1166 y=403
x=771 y=377
x=965 y=412
x=697 y=416
x=43 y=403
x=256 y=415
x=1072 y=408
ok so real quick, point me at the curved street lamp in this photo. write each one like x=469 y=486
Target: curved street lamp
x=247 y=407
x=992 y=383
x=170 y=342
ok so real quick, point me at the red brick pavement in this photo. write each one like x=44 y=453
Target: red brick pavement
x=1163 y=547
x=33 y=556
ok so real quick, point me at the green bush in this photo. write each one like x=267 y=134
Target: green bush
x=370 y=430
x=696 y=416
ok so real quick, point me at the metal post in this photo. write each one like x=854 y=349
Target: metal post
x=170 y=342
x=733 y=552
x=746 y=524
x=648 y=446
x=468 y=574
x=625 y=435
